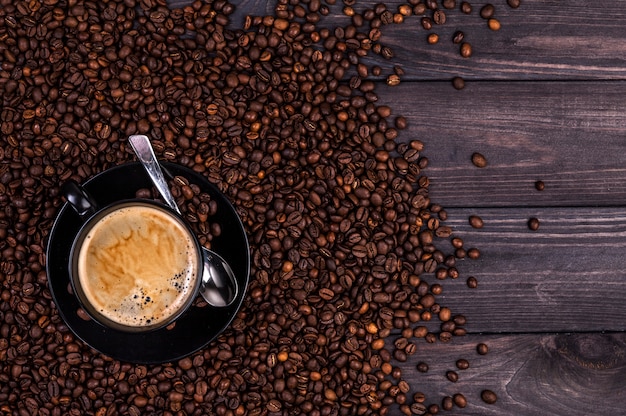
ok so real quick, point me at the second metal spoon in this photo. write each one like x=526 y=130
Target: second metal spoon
x=219 y=284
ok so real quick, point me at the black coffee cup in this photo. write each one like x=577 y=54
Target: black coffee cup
x=135 y=265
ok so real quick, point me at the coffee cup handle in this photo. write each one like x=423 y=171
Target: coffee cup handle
x=79 y=199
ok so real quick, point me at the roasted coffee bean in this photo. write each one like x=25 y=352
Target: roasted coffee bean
x=453 y=376
x=462 y=364
x=459 y=400
x=487 y=11
x=439 y=17
x=475 y=221
x=533 y=224
x=447 y=403
x=466 y=50
x=472 y=282
x=418 y=409
x=514 y=3
x=458 y=37
x=488 y=396
x=479 y=160
x=494 y=24
x=458 y=83
x=540 y=185
x=482 y=349
x=419 y=397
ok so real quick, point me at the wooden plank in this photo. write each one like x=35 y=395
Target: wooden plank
x=569 y=275
x=539 y=40
x=571 y=135
x=550 y=374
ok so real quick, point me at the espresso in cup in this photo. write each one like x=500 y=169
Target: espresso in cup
x=136 y=266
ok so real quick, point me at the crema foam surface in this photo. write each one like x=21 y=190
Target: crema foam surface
x=137 y=266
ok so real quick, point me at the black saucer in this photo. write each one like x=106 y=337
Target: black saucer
x=193 y=330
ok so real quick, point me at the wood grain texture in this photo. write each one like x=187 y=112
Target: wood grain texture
x=539 y=40
x=549 y=374
x=571 y=135
x=569 y=275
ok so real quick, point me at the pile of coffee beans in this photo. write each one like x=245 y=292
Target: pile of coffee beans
x=342 y=231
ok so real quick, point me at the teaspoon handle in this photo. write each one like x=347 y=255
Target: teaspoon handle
x=143 y=149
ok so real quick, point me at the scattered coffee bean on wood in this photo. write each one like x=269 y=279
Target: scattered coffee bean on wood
x=482 y=349
x=393 y=80
x=462 y=364
x=514 y=4
x=458 y=83
x=449 y=4
x=466 y=50
x=494 y=24
x=533 y=224
x=488 y=396
x=447 y=403
x=422 y=367
x=476 y=222
x=439 y=17
x=459 y=400
x=453 y=376
x=418 y=409
x=472 y=282
x=479 y=160
x=487 y=11
x=433 y=409
x=419 y=397
x=473 y=253
x=540 y=185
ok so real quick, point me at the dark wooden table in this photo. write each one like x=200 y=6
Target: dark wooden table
x=545 y=99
